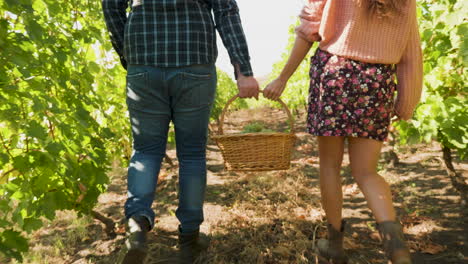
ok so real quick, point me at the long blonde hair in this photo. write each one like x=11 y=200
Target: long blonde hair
x=383 y=8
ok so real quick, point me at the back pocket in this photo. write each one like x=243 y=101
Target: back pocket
x=198 y=88
x=137 y=90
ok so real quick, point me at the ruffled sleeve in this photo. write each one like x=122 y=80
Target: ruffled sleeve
x=310 y=17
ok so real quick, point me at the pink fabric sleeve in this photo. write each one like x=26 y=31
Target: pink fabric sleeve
x=310 y=17
x=410 y=75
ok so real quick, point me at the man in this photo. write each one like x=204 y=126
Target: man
x=170 y=49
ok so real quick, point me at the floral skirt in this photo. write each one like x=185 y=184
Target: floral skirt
x=349 y=98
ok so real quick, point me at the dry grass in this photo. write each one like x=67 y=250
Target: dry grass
x=276 y=217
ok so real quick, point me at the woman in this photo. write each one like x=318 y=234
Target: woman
x=363 y=45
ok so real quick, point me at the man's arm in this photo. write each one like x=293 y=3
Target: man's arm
x=228 y=23
x=115 y=14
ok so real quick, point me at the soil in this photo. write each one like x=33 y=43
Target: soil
x=276 y=217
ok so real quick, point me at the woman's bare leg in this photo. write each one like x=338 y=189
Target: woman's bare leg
x=331 y=156
x=364 y=156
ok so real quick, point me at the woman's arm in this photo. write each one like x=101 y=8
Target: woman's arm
x=410 y=74
x=301 y=47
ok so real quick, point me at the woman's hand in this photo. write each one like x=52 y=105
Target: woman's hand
x=274 y=90
x=395 y=118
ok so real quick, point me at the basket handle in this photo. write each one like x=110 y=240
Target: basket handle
x=285 y=107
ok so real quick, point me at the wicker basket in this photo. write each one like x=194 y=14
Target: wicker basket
x=256 y=151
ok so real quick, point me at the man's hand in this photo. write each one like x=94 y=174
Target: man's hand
x=248 y=86
x=274 y=90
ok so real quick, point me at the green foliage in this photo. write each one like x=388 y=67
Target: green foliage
x=253 y=127
x=256 y=127
x=442 y=113
x=62 y=102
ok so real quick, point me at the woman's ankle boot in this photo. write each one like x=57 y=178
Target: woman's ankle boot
x=394 y=243
x=332 y=248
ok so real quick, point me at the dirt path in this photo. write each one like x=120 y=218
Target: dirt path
x=275 y=217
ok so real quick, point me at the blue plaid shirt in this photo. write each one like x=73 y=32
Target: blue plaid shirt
x=174 y=33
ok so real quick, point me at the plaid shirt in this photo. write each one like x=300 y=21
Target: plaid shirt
x=173 y=33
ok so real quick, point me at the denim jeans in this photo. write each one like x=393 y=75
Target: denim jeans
x=155 y=97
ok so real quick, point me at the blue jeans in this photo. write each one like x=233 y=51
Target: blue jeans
x=155 y=97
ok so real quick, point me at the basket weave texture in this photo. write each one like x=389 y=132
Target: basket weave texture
x=256 y=151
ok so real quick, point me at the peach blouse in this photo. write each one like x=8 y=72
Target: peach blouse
x=344 y=28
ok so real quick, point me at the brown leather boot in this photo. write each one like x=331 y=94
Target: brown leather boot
x=332 y=248
x=138 y=227
x=394 y=243
x=191 y=245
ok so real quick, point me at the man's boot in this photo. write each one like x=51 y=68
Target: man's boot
x=191 y=245
x=394 y=243
x=332 y=248
x=137 y=229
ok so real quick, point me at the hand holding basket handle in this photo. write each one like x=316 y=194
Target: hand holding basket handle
x=274 y=89
x=248 y=86
x=262 y=151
